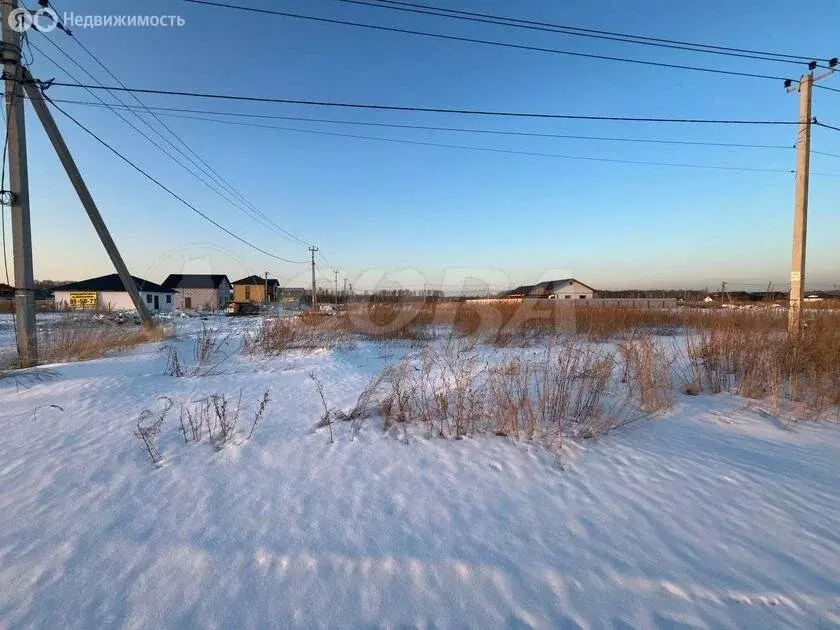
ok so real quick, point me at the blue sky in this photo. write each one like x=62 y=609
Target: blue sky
x=429 y=215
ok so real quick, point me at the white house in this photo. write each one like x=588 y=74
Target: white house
x=107 y=293
x=565 y=289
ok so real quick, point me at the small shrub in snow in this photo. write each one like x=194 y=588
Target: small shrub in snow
x=647 y=371
x=174 y=365
x=327 y=418
x=209 y=355
x=216 y=416
x=149 y=426
x=266 y=398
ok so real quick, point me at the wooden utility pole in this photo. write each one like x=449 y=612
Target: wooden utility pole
x=44 y=115
x=27 y=340
x=265 y=299
x=312 y=250
x=335 y=271
x=800 y=210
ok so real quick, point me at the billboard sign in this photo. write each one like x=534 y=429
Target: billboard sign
x=83 y=300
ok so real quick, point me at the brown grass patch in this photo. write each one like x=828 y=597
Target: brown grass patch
x=83 y=339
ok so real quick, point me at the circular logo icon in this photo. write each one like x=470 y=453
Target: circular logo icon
x=20 y=20
x=45 y=19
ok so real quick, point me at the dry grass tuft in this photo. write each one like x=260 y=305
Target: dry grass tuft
x=75 y=339
x=451 y=392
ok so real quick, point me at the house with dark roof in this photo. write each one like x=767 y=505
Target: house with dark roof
x=204 y=291
x=107 y=293
x=253 y=289
x=565 y=289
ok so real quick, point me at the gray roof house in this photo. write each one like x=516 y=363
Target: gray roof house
x=204 y=291
x=567 y=288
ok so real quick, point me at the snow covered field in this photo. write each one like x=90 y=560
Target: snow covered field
x=711 y=515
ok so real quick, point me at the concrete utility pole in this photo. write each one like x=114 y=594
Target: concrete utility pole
x=44 y=115
x=335 y=271
x=27 y=340
x=312 y=250
x=800 y=208
x=800 y=211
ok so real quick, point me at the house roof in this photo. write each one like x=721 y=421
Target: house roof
x=544 y=288
x=112 y=282
x=272 y=282
x=194 y=281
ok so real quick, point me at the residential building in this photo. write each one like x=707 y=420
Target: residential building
x=252 y=289
x=107 y=293
x=565 y=289
x=204 y=291
x=290 y=294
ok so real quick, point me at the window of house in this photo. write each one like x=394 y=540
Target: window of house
x=187 y=302
x=567 y=296
x=148 y=298
x=582 y=297
x=169 y=299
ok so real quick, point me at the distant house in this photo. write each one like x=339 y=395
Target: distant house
x=210 y=291
x=107 y=293
x=252 y=289
x=565 y=289
x=290 y=294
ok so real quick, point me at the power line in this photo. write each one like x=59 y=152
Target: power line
x=220 y=190
x=469 y=16
x=488 y=42
x=436 y=110
x=504 y=151
x=164 y=111
x=819 y=124
x=826 y=87
x=168 y=190
x=214 y=172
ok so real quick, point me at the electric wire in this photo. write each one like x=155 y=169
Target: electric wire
x=168 y=190
x=165 y=111
x=469 y=16
x=488 y=42
x=211 y=170
x=218 y=189
x=437 y=110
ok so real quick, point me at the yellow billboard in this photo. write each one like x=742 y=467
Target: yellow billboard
x=83 y=300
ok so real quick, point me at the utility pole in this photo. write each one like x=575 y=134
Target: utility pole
x=27 y=340
x=266 y=288
x=335 y=271
x=722 y=290
x=800 y=209
x=312 y=250
x=66 y=159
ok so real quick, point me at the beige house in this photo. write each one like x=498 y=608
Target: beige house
x=204 y=291
x=253 y=289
